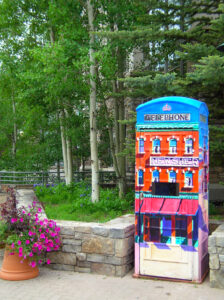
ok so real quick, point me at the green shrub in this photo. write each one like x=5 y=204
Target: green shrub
x=73 y=202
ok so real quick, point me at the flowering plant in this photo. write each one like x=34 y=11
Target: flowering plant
x=26 y=233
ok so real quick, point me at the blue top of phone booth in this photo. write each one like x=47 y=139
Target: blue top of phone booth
x=172 y=111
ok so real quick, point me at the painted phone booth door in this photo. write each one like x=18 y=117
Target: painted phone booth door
x=171 y=189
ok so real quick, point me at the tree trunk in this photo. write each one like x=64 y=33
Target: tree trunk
x=14 y=138
x=64 y=146
x=93 y=129
x=69 y=161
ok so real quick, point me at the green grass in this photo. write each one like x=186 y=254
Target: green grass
x=73 y=202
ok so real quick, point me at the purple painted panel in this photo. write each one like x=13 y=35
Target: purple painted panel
x=164 y=161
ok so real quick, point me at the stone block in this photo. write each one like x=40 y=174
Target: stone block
x=220 y=250
x=100 y=230
x=98 y=245
x=83 y=229
x=82 y=270
x=84 y=264
x=61 y=267
x=221 y=258
x=103 y=269
x=217 y=278
x=67 y=236
x=123 y=270
x=71 y=248
x=114 y=260
x=220 y=240
x=95 y=258
x=81 y=256
x=211 y=241
x=67 y=230
x=82 y=236
x=116 y=233
x=214 y=261
x=71 y=242
x=124 y=246
x=212 y=250
x=62 y=258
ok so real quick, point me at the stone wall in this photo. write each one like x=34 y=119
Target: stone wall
x=106 y=249
x=216 y=257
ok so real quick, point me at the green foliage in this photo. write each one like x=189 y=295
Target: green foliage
x=216 y=145
x=73 y=202
x=3 y=232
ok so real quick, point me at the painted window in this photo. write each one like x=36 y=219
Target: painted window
x=166 y=229
x=160 y=229
x=173 y=146
x=140 y=177
x=146 y=228
x=156 y=146
x=189 y=146
x=181 y=230
x=141 y=145
x=154 y=229
x=172 y=176
x=188 y=181
x=155 y=176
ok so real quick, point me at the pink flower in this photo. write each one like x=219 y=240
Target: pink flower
x=47 y=230
x=24 y=256
x=13 y=220
x=48 y=261
x=30 y=233
x=21 y=220
x=20 y=249
x=29 y=214
x=35 y=245
x=13 y=245
x=39 y=210
x=23 y=212
x=11 y=253
x=33 y=264
x=39 y=261
x=20 y=254
x=27 y=242
x=19 y=243
x=42 y=236
x=48 y=249
x=40 y=247
x=31 y=254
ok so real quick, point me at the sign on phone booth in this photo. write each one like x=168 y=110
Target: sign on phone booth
x=171 y=189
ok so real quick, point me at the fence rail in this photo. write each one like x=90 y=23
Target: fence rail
x=51 y=177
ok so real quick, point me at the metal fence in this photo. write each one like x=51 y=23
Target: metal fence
x=51 y=177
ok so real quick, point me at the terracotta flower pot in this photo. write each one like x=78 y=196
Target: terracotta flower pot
x=13 y=269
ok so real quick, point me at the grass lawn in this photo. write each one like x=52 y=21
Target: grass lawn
x=73 y=203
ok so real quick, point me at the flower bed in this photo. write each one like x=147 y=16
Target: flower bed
x=103 y=248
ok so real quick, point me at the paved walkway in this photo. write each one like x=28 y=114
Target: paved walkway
x=66 y=285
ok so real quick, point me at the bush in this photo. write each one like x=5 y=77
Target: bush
x=73 y=202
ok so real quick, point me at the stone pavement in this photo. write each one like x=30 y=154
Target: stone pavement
x=66 y=285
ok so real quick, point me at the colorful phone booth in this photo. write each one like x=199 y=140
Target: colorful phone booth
x=171 y=190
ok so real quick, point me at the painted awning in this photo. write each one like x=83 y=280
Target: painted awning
x=170 y=206
x=188 y=207
x=167 y=206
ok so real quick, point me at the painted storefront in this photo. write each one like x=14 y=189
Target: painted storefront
x=171 y=199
